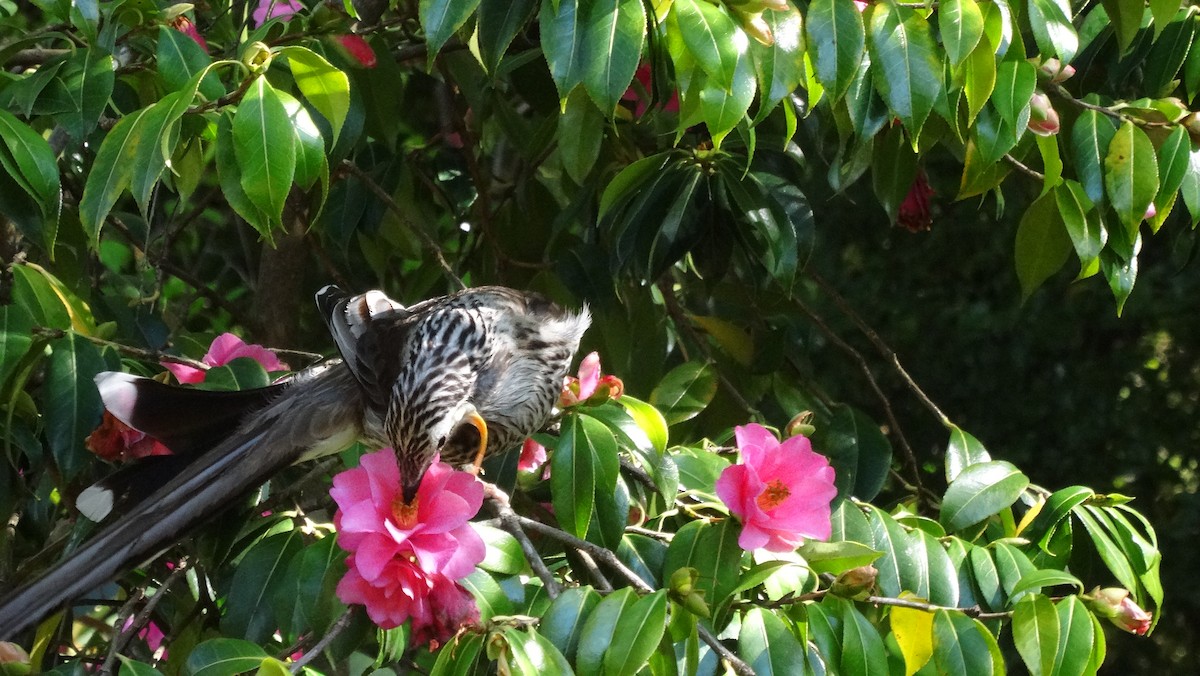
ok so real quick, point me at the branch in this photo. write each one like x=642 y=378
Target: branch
x=1032 y=173
x=128 y=350
x=309 y=655
x=142 y=617
x=395 y=209
x=510 y=522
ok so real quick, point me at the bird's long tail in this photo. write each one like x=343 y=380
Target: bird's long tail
x=310 y=417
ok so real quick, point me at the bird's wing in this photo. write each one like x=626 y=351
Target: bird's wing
x=367 y=329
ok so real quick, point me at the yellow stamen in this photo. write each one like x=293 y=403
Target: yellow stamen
x=774 y=494
x=404 y=513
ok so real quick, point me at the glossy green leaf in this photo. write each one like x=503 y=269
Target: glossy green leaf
x=863 y=651
x=1120 y=272
x=599 y=629
x=889 y=537
x=614 y=31
x=562 y=34
x=907 y=70
x=1042 y=246
x=1130 y=175
x=1083 y=226
x=962 y=645
x=440 y=18
x=459 y=656
x=580 y=132
x=314 y=574
x=979 y=77
x=489 y=596
x=88 y=80
x=1035 y=632
x=698 y=468
x=779 y=65
x=1076 y=637
x=837 y=557
x=1090 y=137
x=980 y=491
x=37 y=165
x=1169 y=52
x=961 y=25
x=859 y=452
x=1015 y=81
x=836 y=40
x=223 y=656
x=134 y=668
x=1052 y=28
x=648 y=419
x=712 y=549
x=625 y=186
x=531 y=653
x=1040 y=579
x=962 y=451
x=986 y=577
x=713 y=39
x=111 y=172
x=16 y=325
x=926 y=569
x=179 y=59
x=563 y=621
x=573 y=479
x=71 y=404
x=994 y=136
x=637 y=634
x=159 y=135
x=868 y=112
x=265 y=148
x=1125 y=16
x=1163 y=11
x=684 y=392
x=1012 y=565
x=247 y=613
x=1173 y=156
x=503 y=554
x=500 y=21
x=722 y=108
x=768 y=646
x=325 y=87
x=229 y=174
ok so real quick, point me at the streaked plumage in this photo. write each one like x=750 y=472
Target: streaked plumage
x=482 y=365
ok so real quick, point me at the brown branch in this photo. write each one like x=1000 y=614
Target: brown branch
x=1021 y=167
x=395 y=209
x=338 y=627
x=512 y=524
x=128 y=350
x=34 y=56
x=142 y=617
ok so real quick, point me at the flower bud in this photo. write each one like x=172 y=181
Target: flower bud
x=14 y=661
x=682 y=589
x=800 y=425
x=610 y=387
x=755 y=26
x=855 y=583
x=1114 y=604
x=1053 y=70
x=355 y=47
x=1151 y=212
x=1043 y=119
x=256 y=57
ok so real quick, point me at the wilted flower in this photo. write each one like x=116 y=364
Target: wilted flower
x=1043 y=118
x=640 y=99
x=855 y=583
x=1115 y=604
x=184 y=25
x=405 y=557
x=780 y=492
x=590 y=383
x=275 y=9
x=533 y=455
x=224 y=349
x=914 y=214
x=115 y=441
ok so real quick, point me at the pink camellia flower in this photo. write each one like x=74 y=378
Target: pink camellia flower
x=590 y=383
x=224 y=349
x=184 y=25
x=405 y=557
x=780 y=492
x=1115 y=604
x=275 y=9
x=533 y=455
x=115 y=441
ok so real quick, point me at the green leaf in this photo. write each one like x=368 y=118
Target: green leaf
x=768 y=646
x=1058 y=507
x=71 y=405
x=961 y=25
x=1015 y=82
x=1121 y=273
x=563 y=621
x=711 y=549
x=573 y=479
x=1042 y=246
x=863 y=651
x=713 y=39
x=531 y=653
x=979 y=77
x=889 y=537
x=684 y=392
x=962 y=645
x=893 y=170
x=503 y=553
x=626 y=184
x=637 y=634
x=88 y=80
x=562 y=37
x=1130 y=175
x=1076 y=636
x=111 y=172
x=837 y=557
x=311 y=163
x=580 y=132
x=179 y=59
x=836 y=40
x=1087 y=235
x=913 y=630
x=987 y=578
x=134 y=668
x=229 y=175
x=440 y=18
x=962 y=451
x=500 y=21
x=859 y=452
x=1012 y=565
x=1052 y=28
x=37 y=165
x=159 y=135
x=926 y=569
x=1168 y=54
x=489 y=596
x=778 y=65
x=247 y=612
x=722 y=108
x=1173 y=157
x=614 y=31
x=1049 y=577
x=868 y=113
x=1164 y=12
x=1035 y=633
x=1125 y=16
x=223 y=656
x=325 y=87
x=16 y=325
x=1090 y=137
x=908 y=72
x=315 y=573
x=698 y=468
x=980 y=491
x=264 y=144
x=648 y=419
x=459 y=656
x=598 y=630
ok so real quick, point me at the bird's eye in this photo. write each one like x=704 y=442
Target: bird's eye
x=441 y=441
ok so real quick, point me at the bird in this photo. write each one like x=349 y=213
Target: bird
x=457 y=377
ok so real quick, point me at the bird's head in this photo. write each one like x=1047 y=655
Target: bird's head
x=457 y=433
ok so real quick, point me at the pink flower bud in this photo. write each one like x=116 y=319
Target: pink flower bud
x=184 y=25
x=1115 y=604
x=13 y=659
x=357 y=48
x=1151 y=212
x=1043 y=119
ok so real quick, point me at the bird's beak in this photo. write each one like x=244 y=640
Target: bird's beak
x=473 y=418
x=408 y=488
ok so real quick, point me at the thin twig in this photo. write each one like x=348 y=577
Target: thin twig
x=601 y=554
x=309 y=655
x=128 y=350
x=739 y=666
x=395 y=209
x=598 y=578
x=1021 y=167
x=509 y=522
x=142 y=617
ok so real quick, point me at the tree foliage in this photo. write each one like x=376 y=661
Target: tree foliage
x=696 y=171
